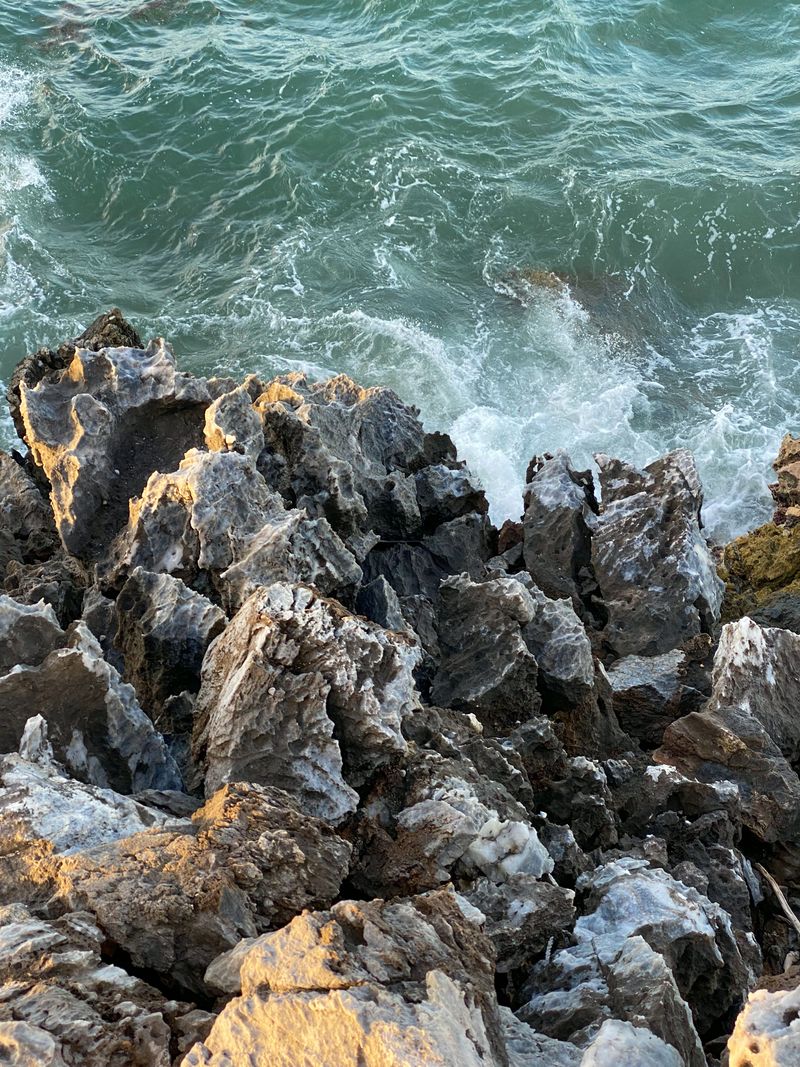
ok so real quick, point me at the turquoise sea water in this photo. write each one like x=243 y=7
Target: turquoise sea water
x=344 y=187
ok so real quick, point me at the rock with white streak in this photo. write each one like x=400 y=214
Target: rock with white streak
x=363 y=985
x=560 y=510
x=656 y=574
x=232 y=424
x=292 y=669
x=619 y=1042
x=96 y=726
x=767 y=1031
x=527 y=1048
x=216 y=524
x=28 y=633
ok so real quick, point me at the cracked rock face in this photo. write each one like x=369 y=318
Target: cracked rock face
x=173 y=898
x=363 y=985
x=290 y=670
x=657 y=578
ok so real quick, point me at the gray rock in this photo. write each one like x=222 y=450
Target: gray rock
x=28 y=633
x=25 y=516
x=291 y=669
x=232 y=424
x=163 y=631
x=526 y=1048
x=60 y=582
x=619 y=1042
x=522 y=915
x=99 y=429
x=96 y=726
x=657 y=577
x=557 y=525
x=63 y=1004
x=650 y=692
x=445 y=493
x=379 y=602
x=408 y=982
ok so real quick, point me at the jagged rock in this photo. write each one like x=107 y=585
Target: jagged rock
x=174 y=898
x=291 y=669
x=522 y=915
x=28 y=633
x=109 y=330
x=767 y=1033
x=349 y=455
x=96 y=726
x=63 y=1005
x=416 y=570
x=619 y=1042
x=762 y=575
x=232 y=424
x=656 y=574
x=43 y=812
x=379 y=602
x=60 y=582
x=560 y=509
x=626 y=898
x=214 y=523
x=444 y=493
x=163 y=631
x=786 y=490
x=365 y=984
x=486 y=666
x=758 y=671
x=650 y=692
x=434 y=819
x=25 y=517
x=582 y=800
x=100 y=428
x=526 y=1048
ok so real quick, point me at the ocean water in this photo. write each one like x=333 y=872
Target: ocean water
x=356 y=186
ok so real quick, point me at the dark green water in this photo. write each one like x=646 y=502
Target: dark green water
x=343 y=186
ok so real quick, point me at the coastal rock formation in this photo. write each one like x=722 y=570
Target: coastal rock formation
x=302 y=760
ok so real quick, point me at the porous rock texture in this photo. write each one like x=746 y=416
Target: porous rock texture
x=302 y=761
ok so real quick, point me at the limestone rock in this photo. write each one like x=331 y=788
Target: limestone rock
x=233 y=425
x=522 y=915
x=767 y=1031
x=163 y=631
x=619 y=1042
x=656 y=575
x=63 y=1005
x=445 y=493
x=526 y=1048
x=560 y=509
x=100 y=428
x=365 y=984
x=486 y=666
x=28 y=633
x=175 y=898
x=290 y=669
x=215 y=524
x=25 y=516
x=96 y=726
x=60 y=582
x=650 y=692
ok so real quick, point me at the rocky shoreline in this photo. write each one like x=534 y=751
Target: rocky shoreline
x=307 y=763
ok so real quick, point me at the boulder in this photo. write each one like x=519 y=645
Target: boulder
x=656 y=575
x=174 y=898
x=28 y=633
x=650 y=692
x=60 y=581
x=619 y=1042
x=767 y=1031
x=215 y=524
x=365 y=984
x=299 y=693
x=232 y=424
